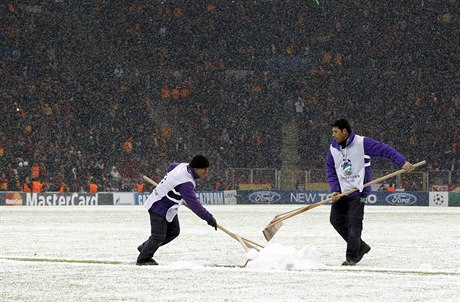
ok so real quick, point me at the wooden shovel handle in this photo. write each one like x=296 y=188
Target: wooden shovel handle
x=298 y=211
x=149 y=180
x=243 y=241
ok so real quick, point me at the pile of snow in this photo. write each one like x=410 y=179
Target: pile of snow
x=278 y=257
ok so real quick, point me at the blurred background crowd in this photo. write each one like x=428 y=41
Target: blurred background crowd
x=105 y=91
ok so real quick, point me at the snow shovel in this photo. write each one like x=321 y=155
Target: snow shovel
x=277 y=222
x=246 y=243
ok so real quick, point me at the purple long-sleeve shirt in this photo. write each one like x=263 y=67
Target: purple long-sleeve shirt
x=372 y=148
x=188 y=193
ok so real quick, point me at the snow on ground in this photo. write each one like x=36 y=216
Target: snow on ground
x=88 y=254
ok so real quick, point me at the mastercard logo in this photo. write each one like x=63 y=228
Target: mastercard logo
x=13 y=199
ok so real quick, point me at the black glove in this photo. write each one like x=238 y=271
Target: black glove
x=212 y=222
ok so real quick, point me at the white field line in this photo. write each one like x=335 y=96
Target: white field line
x=356 y=269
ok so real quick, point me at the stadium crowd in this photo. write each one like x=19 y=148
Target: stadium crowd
x=106 y=91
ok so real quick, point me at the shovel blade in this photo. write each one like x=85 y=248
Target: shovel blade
x=271 y=230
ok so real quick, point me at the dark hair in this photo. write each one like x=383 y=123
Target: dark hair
x=342 y=124
x=199 y=161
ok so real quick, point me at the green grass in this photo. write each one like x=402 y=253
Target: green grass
x=392 y=271
x=84 y=261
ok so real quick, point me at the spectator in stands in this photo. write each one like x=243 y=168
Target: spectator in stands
x=14 y=183
x=22 y=171
x=140 y=186
x=391 y=187
x=37 y=185
x=63 y=188
x=3 y=183
x=27 y=186
x=218 y=185
x=93 y=186
x=115 y=179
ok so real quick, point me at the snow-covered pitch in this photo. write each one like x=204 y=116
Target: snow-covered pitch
x=88 y=254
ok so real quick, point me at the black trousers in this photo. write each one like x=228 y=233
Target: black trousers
x=161 y=232
x=346 y=217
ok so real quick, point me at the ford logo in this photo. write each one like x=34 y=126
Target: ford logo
x=401 y=199
x=264 y=197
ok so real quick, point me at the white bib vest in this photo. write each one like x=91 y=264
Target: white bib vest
x=175 y=177
x=350 y=164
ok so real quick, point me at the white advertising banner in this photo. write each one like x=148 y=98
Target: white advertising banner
x=439 y=199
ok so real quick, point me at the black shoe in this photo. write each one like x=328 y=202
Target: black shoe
x=363 y=249
x=149 y=261
x=349 y=263
x=139 y=248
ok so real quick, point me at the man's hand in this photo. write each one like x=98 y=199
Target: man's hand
x=334 y=196
x=212 y=222
x=408 y=166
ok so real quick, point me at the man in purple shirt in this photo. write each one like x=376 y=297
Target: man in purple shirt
x=347 y=167
x=177 y=186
